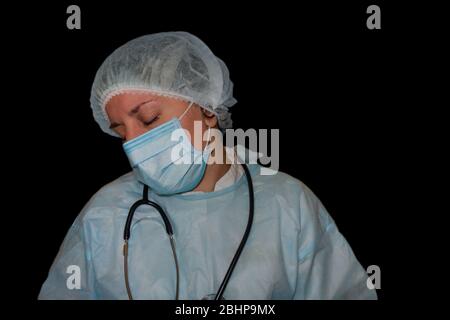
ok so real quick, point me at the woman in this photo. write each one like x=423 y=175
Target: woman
x=146 y=92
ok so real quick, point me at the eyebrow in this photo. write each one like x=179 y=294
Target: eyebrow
x=131 y=112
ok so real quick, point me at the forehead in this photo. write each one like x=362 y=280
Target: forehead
x=125 y=101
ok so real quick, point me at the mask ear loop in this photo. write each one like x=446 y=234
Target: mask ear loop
x=209 y=139
x=204 y=154
x=209 y=128
x=185 y=111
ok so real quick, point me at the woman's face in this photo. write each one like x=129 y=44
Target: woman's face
x=132 y=114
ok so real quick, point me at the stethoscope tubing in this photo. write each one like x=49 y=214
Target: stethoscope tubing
x=169 y=230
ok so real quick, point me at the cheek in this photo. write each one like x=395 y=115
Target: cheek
x=196 y=127
x=192 y=117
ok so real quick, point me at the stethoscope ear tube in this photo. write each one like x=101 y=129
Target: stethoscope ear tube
x=126 y=230
x=137 y=204
x=127 y=233
x=244 y=238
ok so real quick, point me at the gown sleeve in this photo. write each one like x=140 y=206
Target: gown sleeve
x=73 y=256
x=327 y=267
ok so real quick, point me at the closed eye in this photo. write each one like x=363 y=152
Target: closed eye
x=149 y=122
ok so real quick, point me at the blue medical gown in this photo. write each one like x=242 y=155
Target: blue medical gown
x=294 y=250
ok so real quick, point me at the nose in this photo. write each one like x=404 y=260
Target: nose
x=133 y=130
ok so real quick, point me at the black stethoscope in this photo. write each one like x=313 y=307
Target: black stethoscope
x=169 y=230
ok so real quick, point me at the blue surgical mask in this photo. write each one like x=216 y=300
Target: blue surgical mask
x=167 y=166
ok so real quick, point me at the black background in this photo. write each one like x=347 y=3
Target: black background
x=334 y=89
